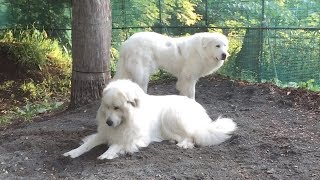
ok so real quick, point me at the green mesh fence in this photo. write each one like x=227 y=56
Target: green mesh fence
x=270 y=40
x=54 y=16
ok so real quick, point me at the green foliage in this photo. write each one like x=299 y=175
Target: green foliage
x=7 y=118
x=114 y=56
x=161 y=75
x=292 y=55
x=151 y=16
x=310 y=85
x=181 y=10
x=29 y=88
x=31 y=48
x=147 y=13
x=41 y=14
x=31 y=110
x=43 y=76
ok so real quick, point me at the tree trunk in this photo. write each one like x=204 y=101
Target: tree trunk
x=91 y=41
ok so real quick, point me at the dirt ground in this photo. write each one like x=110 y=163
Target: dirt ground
x=278 y=137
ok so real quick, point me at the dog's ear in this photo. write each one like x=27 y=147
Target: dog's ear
x=134 y=103
x=205 y=41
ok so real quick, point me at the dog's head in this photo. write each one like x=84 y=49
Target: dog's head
x=215 y=46
x=119 y=98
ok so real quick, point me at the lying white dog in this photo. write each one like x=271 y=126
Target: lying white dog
x=187 y=58
x=129 y=119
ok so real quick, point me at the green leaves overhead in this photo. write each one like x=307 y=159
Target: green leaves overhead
x=41 y=14
x=147 y=13
x=250 y=13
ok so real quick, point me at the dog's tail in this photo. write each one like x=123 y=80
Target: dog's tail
x=217 y=132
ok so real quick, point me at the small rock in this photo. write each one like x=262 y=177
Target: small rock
x=271 y=171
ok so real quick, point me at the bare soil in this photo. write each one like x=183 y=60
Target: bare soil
x=278 y=138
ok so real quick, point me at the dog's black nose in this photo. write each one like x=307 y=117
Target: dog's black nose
x=223 y=56
x=109 y=122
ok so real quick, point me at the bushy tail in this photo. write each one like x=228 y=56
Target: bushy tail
x=217 y=132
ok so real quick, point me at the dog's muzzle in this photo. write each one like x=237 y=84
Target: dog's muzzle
x=109 y=122
x=223 y=56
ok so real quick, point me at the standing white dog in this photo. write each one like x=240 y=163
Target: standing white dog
x=187 y=58
x=129 y=119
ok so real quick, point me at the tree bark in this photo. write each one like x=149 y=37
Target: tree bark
x=91 y=41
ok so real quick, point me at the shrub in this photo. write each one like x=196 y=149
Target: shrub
x=36 y=71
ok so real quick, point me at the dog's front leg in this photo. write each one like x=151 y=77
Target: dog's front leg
x=89 y=143
x=112 y=152
x=186 y=87
x=186 y=143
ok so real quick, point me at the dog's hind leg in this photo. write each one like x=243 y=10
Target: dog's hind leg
x=112 y=152
x=141 y=75
x=143 y=80
x=89 y=143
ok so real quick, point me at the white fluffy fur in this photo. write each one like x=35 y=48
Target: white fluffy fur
x=129 y=119
x=187 y=58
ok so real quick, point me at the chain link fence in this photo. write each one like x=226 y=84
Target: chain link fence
x=270 y=40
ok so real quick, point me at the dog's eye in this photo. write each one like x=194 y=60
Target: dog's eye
x=218 y=46
x=116 y=108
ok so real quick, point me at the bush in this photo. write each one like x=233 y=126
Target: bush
x=31 y=48
x=36 y=71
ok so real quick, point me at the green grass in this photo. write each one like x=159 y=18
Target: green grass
x=309 y=85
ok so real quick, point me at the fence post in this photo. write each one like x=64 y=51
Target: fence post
x=261 y=35
x=123 y=8
x=206 y=15
x=160 y=17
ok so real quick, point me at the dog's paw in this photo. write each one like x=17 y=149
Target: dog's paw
x=107 y=156
x=142 y=143
x=73 y=153
x=186 y=144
